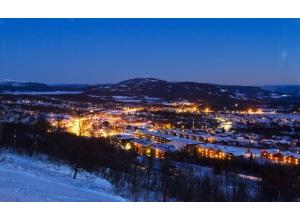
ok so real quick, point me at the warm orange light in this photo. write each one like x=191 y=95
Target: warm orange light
x=128 y=146
x=259 y=111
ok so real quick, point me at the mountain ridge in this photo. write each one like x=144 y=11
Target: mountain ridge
x=221 y=96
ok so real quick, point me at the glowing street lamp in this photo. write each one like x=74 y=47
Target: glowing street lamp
x=206 y=110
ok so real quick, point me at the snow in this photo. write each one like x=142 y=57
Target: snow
x=119 y=97
x=152 y=98
x=248 y=177
x=223 y=90
x=125 y=99
x=129 y=100
x=278 y=96
x=183 y=140
x=36 y=180
x=236 y=151
x=238 y=95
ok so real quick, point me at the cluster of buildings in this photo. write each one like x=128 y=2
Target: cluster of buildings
x=130 y=129
x=135 y=127
x=159 y=145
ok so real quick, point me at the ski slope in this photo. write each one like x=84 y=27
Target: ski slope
x=36 y=180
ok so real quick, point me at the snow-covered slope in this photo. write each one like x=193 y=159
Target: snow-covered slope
x=30 y=179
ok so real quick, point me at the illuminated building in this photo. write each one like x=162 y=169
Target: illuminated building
x=182 y=143
x=211 y=152
x=226 y=152
x=150 y=149
x=207 y=110
x=283 y=157
x=152 y=135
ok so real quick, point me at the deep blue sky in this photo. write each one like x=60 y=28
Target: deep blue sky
x=225 y=51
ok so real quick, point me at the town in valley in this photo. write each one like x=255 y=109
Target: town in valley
x=184 y=130
x=150 y=110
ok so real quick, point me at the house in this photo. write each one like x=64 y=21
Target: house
x=283 y=157
x=226 y=152
x=155 y=136
x=253 y=153
x=141 y=146
x=211 y=151
x=182 y=143
x=151 y=149
x=161 y=150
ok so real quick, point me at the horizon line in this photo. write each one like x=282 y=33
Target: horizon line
x=174 y=81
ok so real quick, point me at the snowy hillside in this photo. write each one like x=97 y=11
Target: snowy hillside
x=211 y=94
x=30 y=179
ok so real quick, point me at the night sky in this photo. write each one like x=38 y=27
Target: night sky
x=224 y=51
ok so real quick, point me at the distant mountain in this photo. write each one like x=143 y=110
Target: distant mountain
x=11 y=86
x=289 y=89
x=213 y=94
x=137 y=89
x=185 y=90
x=141 y=81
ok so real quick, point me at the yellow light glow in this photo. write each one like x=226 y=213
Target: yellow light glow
x=206 y=110
x=259 y=111
x=128 y=146
x=148 y=152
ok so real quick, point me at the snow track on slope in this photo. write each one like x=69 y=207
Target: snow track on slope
x=36 y=179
